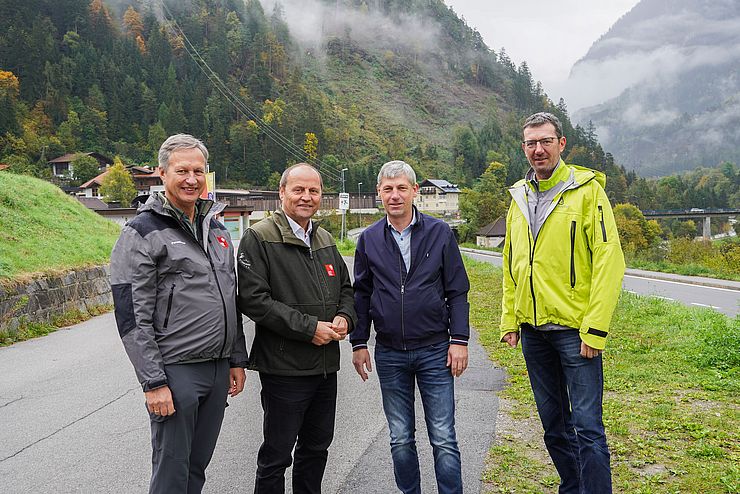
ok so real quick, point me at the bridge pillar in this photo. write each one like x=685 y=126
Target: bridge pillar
x=707 y=230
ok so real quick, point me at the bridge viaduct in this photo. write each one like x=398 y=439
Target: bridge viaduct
x=693 y=213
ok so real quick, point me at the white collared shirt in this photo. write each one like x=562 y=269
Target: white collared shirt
x=304 y=235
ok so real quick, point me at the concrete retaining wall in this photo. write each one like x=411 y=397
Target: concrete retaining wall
x=42 y=299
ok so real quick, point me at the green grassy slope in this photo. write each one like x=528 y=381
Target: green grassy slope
x=43 y=230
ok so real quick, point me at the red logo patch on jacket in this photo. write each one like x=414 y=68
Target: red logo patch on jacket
x=224 y=243
x=330 y=269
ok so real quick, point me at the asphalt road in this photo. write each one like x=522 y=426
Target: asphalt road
x=73 y=420
x=723 y=296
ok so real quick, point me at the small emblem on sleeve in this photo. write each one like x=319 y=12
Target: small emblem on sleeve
x=330 y=269
x=224 y=243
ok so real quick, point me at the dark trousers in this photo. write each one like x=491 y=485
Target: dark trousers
x=568 y=390
x=298 y=411
x=183 y=443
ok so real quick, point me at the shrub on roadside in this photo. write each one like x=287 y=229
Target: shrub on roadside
x=722 y=258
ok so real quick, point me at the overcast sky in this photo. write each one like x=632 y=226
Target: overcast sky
x=550 y=36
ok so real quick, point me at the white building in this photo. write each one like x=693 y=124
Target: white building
x=438 y=196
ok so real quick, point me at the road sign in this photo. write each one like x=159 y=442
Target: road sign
x=344 y=201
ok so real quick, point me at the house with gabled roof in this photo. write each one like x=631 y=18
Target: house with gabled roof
x=62 y=166
x=145 y=179
x=438 y=196
x=493 y=234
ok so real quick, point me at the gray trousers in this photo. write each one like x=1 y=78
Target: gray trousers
x=183 y=443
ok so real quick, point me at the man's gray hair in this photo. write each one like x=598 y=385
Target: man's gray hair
x=394 y=168
x=542 y=118
x=284 y=176
x=176 y=143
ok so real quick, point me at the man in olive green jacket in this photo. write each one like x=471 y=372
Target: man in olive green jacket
x=295 y=286
x=563 y=269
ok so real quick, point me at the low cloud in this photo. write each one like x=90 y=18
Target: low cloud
x=311 y=22
x=654 y=52
x=593 y=82
x=637 y=116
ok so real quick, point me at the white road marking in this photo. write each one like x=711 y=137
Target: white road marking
x=705 y=305
x=681 y=283
x=664 y=298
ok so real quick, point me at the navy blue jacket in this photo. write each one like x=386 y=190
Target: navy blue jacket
x=427 y=305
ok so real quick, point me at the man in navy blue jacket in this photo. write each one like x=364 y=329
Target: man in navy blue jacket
x=410 y=283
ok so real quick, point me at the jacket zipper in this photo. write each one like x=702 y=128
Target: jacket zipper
x=572 y=254
x=511 y=273
x=403 y=291
x=531 y=274
x=169 y=306
x=323 y=302
x=603 y=228
x=223 y=302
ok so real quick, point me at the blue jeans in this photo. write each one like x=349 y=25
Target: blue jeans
x=568 y=390
x=398 y=370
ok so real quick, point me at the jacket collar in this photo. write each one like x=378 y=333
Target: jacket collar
x=415 y=220
x=561 y=173
x=286 y=232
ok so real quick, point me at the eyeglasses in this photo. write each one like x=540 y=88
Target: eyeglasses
x=546 y=142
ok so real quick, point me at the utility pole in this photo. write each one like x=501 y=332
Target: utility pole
x=342 y=206
x=359 y=206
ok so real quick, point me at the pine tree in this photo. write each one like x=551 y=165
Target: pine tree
x=9 y=90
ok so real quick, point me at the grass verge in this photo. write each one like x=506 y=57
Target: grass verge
x=671 y=407
x=42 y=230
x=33 y=330
x=346 y=247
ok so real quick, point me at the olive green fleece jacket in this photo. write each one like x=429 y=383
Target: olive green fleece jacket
x=285 y=287
x=572 y=274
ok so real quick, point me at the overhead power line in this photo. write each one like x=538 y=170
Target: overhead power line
x=286 y=144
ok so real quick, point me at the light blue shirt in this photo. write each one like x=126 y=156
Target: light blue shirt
x=403 y=239
x=304 y=235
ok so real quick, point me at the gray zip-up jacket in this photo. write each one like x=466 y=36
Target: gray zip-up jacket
x=175 y=299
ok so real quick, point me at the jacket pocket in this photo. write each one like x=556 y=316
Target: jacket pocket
x=169 y=306
x=601 y=220
x=573 y=254
x=511 y=272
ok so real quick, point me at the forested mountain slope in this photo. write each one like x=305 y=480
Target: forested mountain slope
x=345 y=84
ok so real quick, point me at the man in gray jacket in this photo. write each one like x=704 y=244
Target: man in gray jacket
x=174 y=289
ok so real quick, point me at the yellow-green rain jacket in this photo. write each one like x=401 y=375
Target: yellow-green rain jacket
x=572 y=274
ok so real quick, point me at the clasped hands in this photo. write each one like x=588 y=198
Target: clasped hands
x=326 y=332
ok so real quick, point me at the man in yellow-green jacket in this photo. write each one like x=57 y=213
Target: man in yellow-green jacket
x=563 y=269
